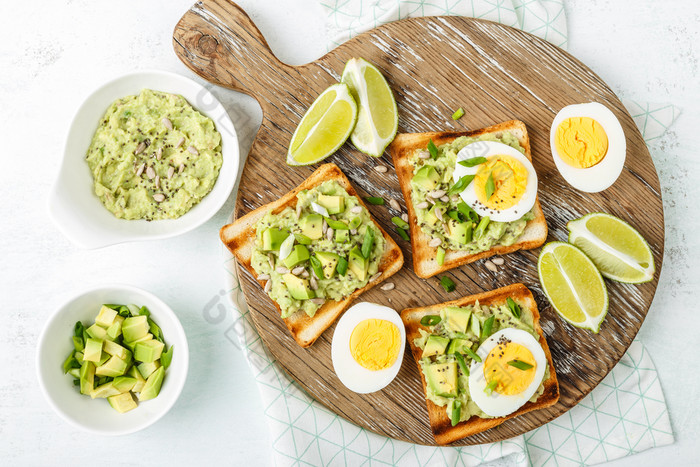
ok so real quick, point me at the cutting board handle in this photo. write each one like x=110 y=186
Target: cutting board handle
x=218 y=41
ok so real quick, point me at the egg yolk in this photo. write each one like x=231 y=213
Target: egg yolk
x=511 y=380
x=581 y=142
x=509 y=177
x=374 y=344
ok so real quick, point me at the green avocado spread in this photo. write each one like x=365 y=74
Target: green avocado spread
x=450 y=335
x=306 y=257
x=449 y=218
x=153 y=156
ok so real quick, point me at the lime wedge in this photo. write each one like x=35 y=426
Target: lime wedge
x=616 y=248
x=324 y=127
x=378 y=117
x=573 y=285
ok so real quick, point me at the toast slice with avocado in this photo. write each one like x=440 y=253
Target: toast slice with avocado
x=440 y=422
x=240 y=238
x=425 y=263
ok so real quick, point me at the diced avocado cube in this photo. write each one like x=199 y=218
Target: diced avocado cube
x=342 y=236
x=140 y=380
x=298 y=255
x=442 y=378
x=458 y=345
x=104 y=356
x=131 y=345
x=113 y=367
x=104 y=391
x=334 y=204
x=457 y=318
x=312 y=226
x=298 y=287
x=87 y=377
x=115 y=330
x=427 y=177
x=328 y=261
x=148 y=351
x=93 y=350
x=124 y=383
x=435 y=345
x=134 y=328
x=358 y=264
x=146 y=369
x=273 y=237
x=105 y=317
x=431 y=217
x=97 y=332
x=459 y=232
x=152 y=387
x=122 y=402
x=116 y=350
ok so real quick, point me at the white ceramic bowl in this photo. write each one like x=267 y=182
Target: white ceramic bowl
x=96 y=415
x=73 y=205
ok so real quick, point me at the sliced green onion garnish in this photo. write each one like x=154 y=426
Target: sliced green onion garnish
x=514 y=307
x=400 y=223
x=459 y=113
x=461 y=184
x=490 y=387
x=403 y=234
x=375 y=200
x=520 y=365
x=342 y=266
x=456 y=411
x=316 y=266
x=166 y=357
x=472 y=161
x=355 y=222
x=447 y=284
x=481 y=228
x=490 y=186
x=486 y=328
x=368 y=242
x=337 y=225
x=78 y=330
x=471 y=354
x=430 y=320
x=440 y=256
x=468 y=212
x=462 y=364
x=432 y=149
x=302 y=239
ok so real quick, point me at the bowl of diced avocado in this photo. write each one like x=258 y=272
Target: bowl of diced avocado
x=112 y=360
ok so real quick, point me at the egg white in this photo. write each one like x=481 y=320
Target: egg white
x=353 y=375
x=488 y=149
x=500 y=405
x=604 y=173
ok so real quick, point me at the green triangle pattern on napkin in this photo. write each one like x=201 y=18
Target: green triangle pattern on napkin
x=625 y=414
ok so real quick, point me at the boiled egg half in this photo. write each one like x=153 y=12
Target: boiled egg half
x=510 y=372
x=504 y=187
x=367 y=347
x=588 y=146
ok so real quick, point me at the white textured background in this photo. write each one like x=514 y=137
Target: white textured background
x=53 y=54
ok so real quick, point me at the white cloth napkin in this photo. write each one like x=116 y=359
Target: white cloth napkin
x=625 y=414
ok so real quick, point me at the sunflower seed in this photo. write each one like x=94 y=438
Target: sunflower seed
x=157 y=182
x=404 y=217
x=329 y=233
x=139 y=171
x=298 y=270
x=282 y=270
x=140 y=148
x=394 y=205
x=437 y=194
x=333 y=217
x=375 y=277
x=171 y=172
x=305 y=274
x=380 y=168
x=388 y=286
x=150 y=173
x=192 y=150
x=263 y=277
x=159 y=197
x=438 y=214
x=313 y=274
x=268 y=286
x=271 y=260
x=356 y=210
x=353 y=231
x=454 y=197
x=318 y=301
x=324 y=227
x=490 y=266
x=167 y=123
x=159 y=154
x=430 y=200
x=498 y=261
x=435 y=242
x=180 y=142
x=181 y=168
x=424 y=155
x=423 y=205
x=313 y=284
x=444 y=199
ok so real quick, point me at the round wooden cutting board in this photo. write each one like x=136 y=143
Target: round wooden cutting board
x=434 y=65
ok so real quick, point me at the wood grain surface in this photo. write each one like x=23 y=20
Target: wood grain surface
x=434 y=65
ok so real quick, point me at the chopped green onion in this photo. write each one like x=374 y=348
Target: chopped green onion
x=454 y=215
x=166 y=357
x=302 y=239
x=400 y=223
x=490 y=387
x=155 y=330
x=456 y=411
x=355 y=222
x=375 y=200
x=447 y=284
x=78 y=343
x=471 y=354
x=514 y=307
x=462 y=364
x=461 y=184
x=76 y=382
x=403 y=234
x=337 y=225
x=459 y=113
x=440 y=256
x=78 y=330
x=316 y=266
x=432 y=149
x=368 y=242
x=520 y=365
x=69 y=363
x=486 y=328
x=342 y=266
x=472 y=161
x=430 y=320
x=481 y=228
x=143 y=311
x=468 y=212
x=490 y=186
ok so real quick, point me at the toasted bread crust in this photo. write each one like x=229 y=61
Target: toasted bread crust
x=440 y=423
x=424 y=262
x=239 y=237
